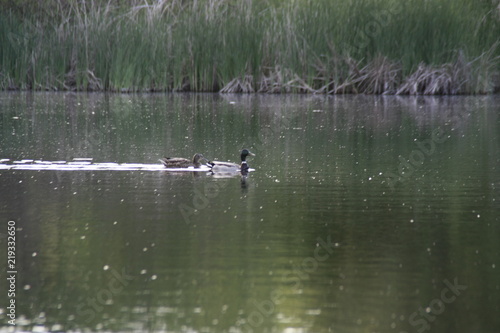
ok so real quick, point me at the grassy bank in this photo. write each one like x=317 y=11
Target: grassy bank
x=316 y=46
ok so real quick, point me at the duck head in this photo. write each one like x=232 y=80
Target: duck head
x=197 y=158
x=245 y=153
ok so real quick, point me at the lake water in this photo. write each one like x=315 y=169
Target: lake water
x=363 y=214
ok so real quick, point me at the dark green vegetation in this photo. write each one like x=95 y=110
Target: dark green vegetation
x=325 y=46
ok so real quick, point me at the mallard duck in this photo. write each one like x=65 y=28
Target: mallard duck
x=180 y=162
x=217 y=166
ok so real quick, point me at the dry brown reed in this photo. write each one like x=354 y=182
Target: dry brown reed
x=380 y=76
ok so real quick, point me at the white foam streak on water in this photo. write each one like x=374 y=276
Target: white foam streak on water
x=89 y=166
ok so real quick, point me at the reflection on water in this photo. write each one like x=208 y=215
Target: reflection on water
x=374 y=214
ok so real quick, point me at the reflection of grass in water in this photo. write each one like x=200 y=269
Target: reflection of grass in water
x=439 y=46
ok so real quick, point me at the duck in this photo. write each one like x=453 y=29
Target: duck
x=218 y=166
x=180 y=162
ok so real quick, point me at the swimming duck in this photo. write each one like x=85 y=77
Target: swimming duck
x=180 y=162
x=217 y=166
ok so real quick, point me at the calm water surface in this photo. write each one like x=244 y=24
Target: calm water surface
x=363 y=214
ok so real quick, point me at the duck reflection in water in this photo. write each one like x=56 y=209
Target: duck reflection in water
x=244 y=176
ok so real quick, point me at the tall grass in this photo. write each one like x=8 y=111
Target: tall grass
x=314 y=46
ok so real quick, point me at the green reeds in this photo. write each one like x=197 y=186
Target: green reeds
x=320 y=46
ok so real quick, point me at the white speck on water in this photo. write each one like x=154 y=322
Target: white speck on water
x=34 y=254
x=493 y=266
x=428 y=309
x=144 y=249
x=56 y=328
x=106 y=267
x=115 y=222
x=313 y=312
x=411 y=221
x=27 y=287
x=478 y=216
x=143 y=272
x=82 y=237
x=154 y=277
